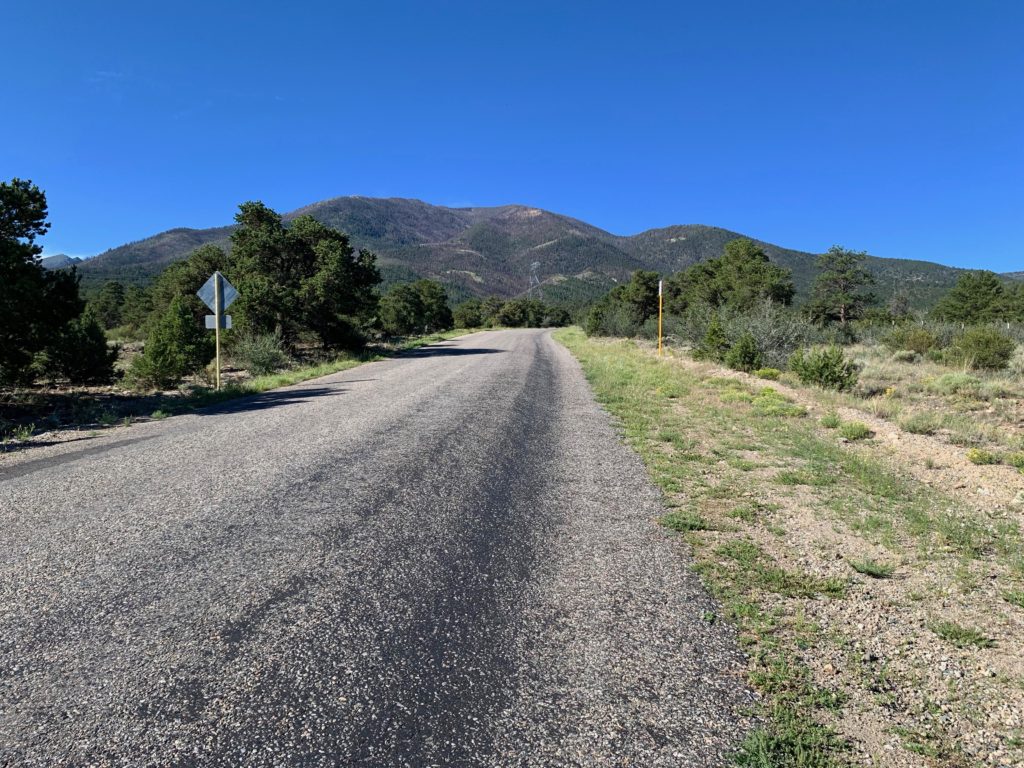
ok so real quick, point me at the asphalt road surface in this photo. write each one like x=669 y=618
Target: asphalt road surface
x=443 y=559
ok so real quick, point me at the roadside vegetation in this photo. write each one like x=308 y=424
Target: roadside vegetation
x=878 y=610
x=848 y=477
x=309 y=304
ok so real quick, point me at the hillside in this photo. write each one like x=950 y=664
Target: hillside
x=482 y=251
x=59 y=261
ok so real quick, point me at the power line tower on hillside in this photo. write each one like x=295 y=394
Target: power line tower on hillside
x=535 y=282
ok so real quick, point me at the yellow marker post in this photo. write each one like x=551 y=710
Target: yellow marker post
x=661 y=304
x=216 y=321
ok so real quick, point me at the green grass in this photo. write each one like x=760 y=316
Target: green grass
x=717 y=453
x=1015 y=597
x=721 y=417
x=855 y=430
x=960 y=636
x=872 y=568
x=770 y=403
x=685 y=520
x=831 y=420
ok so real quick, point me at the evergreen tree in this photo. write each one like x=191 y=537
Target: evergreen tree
x=469 y=314
x=401 y=310
x=715 y=344
x=176 y=347
x=80 y=353
x=840 y=291
x=35 y=304
x=303 y=278
x=740 y=278
x=107 y=306
x=437 y=316
x=977 y=297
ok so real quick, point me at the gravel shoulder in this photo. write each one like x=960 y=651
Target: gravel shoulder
x=878 y=583
x=447 y=558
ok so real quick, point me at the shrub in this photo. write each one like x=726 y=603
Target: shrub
x=715 y=343
x=981 y=456
x=744 y=354
x=920 y=424
x=954 y=384
x=1015 y=459
x=260 y=353
x=1017 y=362
x=831 y=420
x=905 y=356
x=910 y=337
x=469 y=314
x=80 y=353
x=855 y=430
x=981 y=349
x=826 y=367
x=771 y=374
x=175 y=347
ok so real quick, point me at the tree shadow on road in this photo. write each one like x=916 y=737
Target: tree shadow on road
x=439 y=350
x=274 y=398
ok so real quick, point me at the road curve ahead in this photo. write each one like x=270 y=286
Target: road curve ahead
x=443 y=559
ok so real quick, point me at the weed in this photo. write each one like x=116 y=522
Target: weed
x=960 y=636
x=769 y=374
x=768 y=402
x=954 y=384
x=684 y=520
x=803 y=477
x=855 y=430
x=872 y=568
x=982 y=456
x=920 y=424
x=1015 y=597
x=1015 y=459
x=159 y=414
x=831 y=420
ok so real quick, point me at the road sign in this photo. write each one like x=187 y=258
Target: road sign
x=211 y=322
x=217 y=293
x=208 y=293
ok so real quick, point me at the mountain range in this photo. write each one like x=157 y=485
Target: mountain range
x=491 y=251
x=60 y=261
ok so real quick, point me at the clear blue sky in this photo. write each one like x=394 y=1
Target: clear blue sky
x=891 y=126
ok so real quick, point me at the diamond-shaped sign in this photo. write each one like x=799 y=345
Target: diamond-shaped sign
x=208 y=293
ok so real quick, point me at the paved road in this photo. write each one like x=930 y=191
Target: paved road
x=443 y=559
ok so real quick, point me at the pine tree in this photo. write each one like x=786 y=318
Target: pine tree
x=840 y=291
x=977 y=297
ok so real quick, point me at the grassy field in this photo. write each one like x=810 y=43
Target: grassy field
x=882 y=612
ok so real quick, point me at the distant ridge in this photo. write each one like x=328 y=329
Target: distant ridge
x=59 y=261
x=483 y=251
